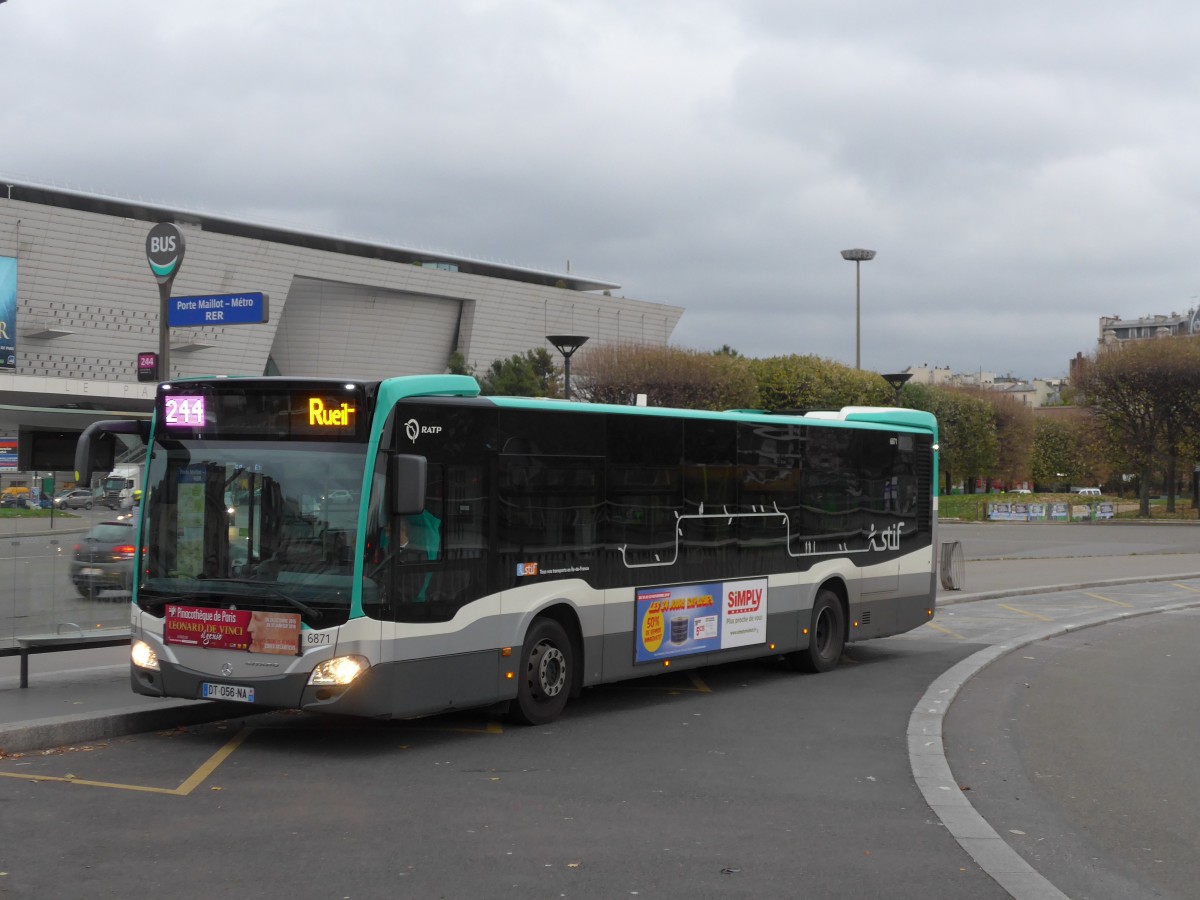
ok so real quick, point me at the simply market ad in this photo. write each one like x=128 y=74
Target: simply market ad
x=683 y=619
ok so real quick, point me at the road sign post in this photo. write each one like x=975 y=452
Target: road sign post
x=164 y=252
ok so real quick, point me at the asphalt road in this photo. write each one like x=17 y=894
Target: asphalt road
x=737 y=781
x=1038 y=540
x=1080 y=751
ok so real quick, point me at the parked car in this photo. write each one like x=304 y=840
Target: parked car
x=80 y=497
x=103 y=560
x=1088 y=492
x=24 y=501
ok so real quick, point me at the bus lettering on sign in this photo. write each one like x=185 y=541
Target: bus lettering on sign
x=184 y=411
x=321 y=415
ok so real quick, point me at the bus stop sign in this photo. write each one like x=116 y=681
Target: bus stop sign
x=164 y=251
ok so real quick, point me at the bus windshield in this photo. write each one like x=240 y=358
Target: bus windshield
x=261 y=524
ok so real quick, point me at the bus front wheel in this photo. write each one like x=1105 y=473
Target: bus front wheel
x=827 y=637
x=544 y=677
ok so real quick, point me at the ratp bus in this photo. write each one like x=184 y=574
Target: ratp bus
x=406 y=547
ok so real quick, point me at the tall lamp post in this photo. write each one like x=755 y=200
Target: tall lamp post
x=858 y=257
x=567 y=344
x=897 y=381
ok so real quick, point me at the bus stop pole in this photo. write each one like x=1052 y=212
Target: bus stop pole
x=164 y=331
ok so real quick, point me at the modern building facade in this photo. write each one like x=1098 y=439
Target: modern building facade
x=82 y=304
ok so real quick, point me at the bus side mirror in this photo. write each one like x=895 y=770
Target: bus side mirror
x=95 y=450
x=408 y=475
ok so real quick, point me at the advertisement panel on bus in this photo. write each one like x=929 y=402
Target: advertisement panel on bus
x=685 y=619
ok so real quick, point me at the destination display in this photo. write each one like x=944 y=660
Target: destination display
x=282 y=414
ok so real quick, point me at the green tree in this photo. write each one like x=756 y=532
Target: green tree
x=966 y=432
x=1145 y=396
x=1058 y=454
x=809 y=382
x=1014 y=435
x=532 y=374
x=668 y=376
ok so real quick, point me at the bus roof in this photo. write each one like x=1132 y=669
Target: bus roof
x=882 y=416
x=464 y=386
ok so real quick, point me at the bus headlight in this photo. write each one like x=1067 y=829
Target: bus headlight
x=339 y=671
x=142 y=656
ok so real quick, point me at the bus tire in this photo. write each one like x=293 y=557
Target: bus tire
x=544 y=678
x=827 y=636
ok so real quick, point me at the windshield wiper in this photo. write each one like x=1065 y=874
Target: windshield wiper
x=283 y=595
x=164 y=597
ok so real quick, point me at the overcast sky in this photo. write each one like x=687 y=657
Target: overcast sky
x=1021 y=169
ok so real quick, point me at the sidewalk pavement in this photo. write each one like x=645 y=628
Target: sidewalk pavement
x=85 y=696
x=987 y=578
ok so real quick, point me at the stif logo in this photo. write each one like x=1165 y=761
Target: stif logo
x=526 y=569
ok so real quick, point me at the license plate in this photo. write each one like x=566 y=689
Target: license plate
x=237 y=692
x=91 y=571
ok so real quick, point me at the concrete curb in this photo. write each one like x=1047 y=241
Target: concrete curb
x=931 y=769
x=951 y=598
x=58 y=731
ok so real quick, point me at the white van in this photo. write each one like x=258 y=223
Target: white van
x=1088 y=492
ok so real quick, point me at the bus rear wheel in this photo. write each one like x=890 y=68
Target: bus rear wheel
x=544 y=678
x=826 y=638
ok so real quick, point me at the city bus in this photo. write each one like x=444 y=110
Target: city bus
x=407 y=547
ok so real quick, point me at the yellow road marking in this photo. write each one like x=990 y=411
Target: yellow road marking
x=210 y=765
x=1110 y=600
x=953 y=634
x=84 y=781
x=1187 y=587
x=190 y=783
x=1025 y=612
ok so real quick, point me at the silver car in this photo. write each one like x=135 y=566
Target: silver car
x=103 y=560
x=80 y=497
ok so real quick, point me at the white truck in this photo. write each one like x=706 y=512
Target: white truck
x=120 y=485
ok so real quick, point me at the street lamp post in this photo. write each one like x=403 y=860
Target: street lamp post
x=858 y=257
x=567 y=344
x=897 y=381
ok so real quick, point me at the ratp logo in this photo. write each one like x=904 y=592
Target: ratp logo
x=415 y=429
